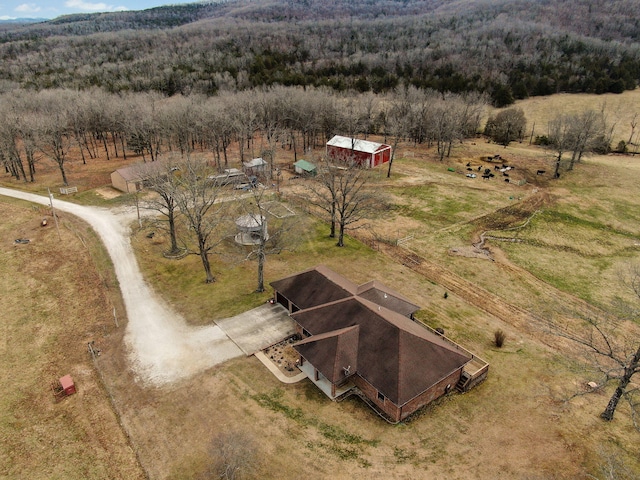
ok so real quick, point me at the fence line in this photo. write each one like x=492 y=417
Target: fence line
x=404 y=240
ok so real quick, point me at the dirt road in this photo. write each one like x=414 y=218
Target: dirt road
x=162 y=348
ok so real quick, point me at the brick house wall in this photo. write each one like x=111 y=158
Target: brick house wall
x=397 y=413
x=430 y=395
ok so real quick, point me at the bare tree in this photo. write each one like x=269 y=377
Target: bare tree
x=54 y=138
x=162 y=178
x=322 y=192
x=397 y=118
x=217 y=130
x=341 y=190
x=354 y=200
x=446 y=124
x=9 y=151
x=244 y=120
x=614 y=350
x=27 y=130
x=560 y=139
x=144 y=125
x=198 y=197
x=233 y=456
x=269 y=233
x=612 y=467
x=586 y=129
x=633 y=124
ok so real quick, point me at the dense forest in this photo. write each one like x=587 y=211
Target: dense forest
x=507 y=49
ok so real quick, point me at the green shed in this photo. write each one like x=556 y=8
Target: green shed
x=302 y=167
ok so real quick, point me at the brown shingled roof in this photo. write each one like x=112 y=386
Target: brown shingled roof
x=400 y=358
x=334 y=354
x=314 y=287
x=382 y=295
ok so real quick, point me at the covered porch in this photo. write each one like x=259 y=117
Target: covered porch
x=323 y=383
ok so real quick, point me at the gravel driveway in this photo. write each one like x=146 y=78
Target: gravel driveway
x=162 y=348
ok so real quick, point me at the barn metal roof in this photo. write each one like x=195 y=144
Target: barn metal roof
x=356 y=144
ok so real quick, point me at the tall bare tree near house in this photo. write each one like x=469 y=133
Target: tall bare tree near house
x=354 y=202
x=341 y=189
x=198 y=198
x=272 y=236
x=322 y=192
x=614 y=350
x=162 y=177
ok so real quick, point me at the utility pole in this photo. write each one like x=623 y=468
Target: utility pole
x=278 y=175
x=138 y=208
x=53 y=212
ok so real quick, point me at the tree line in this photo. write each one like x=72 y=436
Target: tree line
x=50 y=124
x=507 y=50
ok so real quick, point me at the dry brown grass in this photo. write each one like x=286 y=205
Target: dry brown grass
x=515 y=425
x=56 y=296
x=619 y=109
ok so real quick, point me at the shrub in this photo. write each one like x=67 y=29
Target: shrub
x=541 y=140
x=233 y=456
x=622 y=147
x=499 y=337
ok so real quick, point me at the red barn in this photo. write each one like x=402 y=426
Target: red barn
x=365 y=153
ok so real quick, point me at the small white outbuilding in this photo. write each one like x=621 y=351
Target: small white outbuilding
x=251 y=228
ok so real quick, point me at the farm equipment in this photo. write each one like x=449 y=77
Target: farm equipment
x=63 y=387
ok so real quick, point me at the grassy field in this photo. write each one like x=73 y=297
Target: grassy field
x=57 y=295
x=619 y=110
x=572 y=238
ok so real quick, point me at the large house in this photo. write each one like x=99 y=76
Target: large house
x=362 y=339
x=364 y=152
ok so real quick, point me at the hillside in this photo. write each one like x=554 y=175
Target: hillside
x=507 y=49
